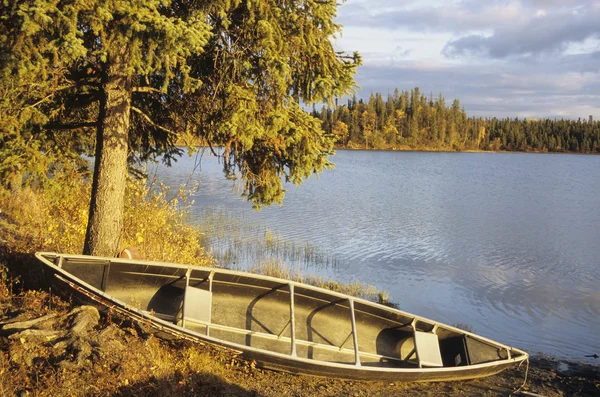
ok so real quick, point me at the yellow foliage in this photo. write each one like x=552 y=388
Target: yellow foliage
x=157 y=226
x=54 y=218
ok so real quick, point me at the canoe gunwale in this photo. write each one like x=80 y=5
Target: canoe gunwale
x=290 y=362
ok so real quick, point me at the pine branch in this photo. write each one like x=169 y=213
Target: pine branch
x=147 y=89
x=70 y=126
x=48 y=96
x=149 y=120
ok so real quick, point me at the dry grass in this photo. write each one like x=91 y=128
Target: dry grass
x=157 y=226
x=239 y=240
x=126 y=359
x=53 y=217
x=275 y=268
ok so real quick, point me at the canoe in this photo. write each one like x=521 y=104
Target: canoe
x=281 y=324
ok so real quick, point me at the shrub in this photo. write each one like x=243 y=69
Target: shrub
x=156 y=225
x=53 y=217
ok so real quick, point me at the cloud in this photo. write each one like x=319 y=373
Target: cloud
x=548 y=33
x=493 y=91
x=430 y=17
x=492 y=28
x=503 y=58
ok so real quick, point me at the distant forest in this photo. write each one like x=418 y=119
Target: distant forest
x=412 y=121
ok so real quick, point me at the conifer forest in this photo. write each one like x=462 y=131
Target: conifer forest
x=411 y=120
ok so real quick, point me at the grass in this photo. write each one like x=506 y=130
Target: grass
x=127 y=360
x=243 y=244
x=121 y=363
x=236 y=241
x=124 y=360
x=278 y=269
x=53 y=217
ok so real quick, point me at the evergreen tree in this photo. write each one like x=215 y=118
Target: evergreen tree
x=139 y=75
x=410 y=119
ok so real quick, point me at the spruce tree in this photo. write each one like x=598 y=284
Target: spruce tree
x=139 y=75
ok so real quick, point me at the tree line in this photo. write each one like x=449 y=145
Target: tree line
x=412 y=120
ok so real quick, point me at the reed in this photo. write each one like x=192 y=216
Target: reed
x=237 y=240
x=242 y=244
x=464 y=327
x=53 y=217
x=275 y=268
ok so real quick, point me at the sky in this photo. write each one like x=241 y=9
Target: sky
x=502 y=58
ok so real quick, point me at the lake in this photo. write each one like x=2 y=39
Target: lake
x=506 y=243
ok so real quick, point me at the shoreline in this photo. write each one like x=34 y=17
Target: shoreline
x=425 y=150
x=113 y=355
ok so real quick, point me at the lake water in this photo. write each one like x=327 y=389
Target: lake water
x=508 y=244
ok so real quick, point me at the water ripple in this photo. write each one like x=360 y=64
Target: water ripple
x=507 y=243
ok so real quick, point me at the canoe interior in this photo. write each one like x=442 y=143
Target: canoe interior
x=257 y=312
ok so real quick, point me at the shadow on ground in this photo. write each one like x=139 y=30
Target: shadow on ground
x=199 y=384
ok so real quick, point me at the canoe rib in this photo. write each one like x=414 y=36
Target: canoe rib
x=354 y=334
x=292 y=322
x=254 y=307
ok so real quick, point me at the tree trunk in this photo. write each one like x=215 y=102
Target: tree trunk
x=110 y=170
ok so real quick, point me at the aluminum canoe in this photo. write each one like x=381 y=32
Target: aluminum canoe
x=281 y=324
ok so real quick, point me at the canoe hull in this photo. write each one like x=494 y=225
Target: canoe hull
x=254 y=320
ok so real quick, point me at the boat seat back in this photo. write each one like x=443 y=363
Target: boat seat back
x=428 y=349
x=197 y=304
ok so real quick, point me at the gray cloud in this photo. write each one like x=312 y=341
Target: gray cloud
x=525 y=58
x=550 y=3
x=550 y=33
x=462 y=17
x=492 y=28
x=495 y=90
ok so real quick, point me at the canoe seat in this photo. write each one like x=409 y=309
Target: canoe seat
x=427 y=346
x=197 y=305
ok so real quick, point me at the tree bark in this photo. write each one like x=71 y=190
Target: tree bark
x=110 y=170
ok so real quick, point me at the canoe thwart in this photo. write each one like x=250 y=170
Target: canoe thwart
x=197 y=305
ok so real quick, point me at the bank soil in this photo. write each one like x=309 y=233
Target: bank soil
x=50 y=347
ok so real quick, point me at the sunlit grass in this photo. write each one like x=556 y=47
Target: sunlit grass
x=242 y=244
x=278 y=269
x=53 y=217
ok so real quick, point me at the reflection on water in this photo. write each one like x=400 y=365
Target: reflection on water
x=506 y=243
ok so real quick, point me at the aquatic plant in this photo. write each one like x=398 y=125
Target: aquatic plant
x=275 y=268
x=240 y=242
